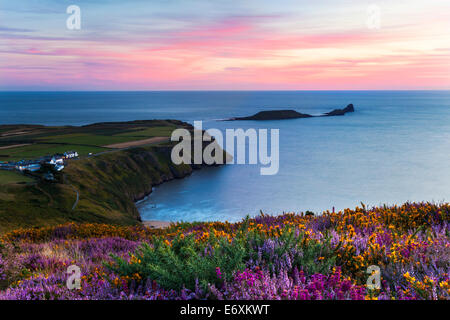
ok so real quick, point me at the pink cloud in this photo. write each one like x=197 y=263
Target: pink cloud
x=232 y=54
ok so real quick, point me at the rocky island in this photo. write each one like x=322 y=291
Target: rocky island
x=292 y=114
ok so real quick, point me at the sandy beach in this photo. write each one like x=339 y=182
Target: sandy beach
x=156 y=224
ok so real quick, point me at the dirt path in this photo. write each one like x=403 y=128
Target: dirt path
x=123 y=145
x=13 y=133
x=76 y=200
x=15 y=146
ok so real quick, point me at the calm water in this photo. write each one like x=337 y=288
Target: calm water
x=394 y=148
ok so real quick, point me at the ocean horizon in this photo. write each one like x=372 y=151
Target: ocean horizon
x=392 y=149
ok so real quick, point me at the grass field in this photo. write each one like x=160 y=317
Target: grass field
x=149 y=132
x=87 y=139
x=40 y=149
x=8 y=177
x=30 y=142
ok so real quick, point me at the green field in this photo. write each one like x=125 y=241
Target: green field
x=8 y=177
x=149 y=132
x=44 y=141
x=88 y=139
x=38 y=150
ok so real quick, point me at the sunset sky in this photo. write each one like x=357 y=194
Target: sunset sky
x=225 y=45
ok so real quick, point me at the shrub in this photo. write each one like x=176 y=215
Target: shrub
x=293 y=249
x=182 y=263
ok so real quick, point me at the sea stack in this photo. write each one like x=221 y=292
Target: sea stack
x=340 y=112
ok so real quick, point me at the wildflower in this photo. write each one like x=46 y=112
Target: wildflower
x=219 y=274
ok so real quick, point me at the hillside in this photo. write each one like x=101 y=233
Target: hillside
x=108 y=182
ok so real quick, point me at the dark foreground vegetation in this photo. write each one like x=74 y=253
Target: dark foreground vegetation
x=293 y=256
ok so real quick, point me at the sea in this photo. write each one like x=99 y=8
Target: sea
x=394 y=148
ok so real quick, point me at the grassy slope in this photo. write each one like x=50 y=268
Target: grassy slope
x=8 y=177
x=107 y=184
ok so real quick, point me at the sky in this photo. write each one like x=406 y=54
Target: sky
x=225 y=45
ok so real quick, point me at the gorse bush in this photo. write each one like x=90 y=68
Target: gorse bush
x=315 y=257
x=189 y=262
x=183 y=263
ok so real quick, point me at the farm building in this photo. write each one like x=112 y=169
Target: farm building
x=70 y=154
x=30 y=167
x=56 y=160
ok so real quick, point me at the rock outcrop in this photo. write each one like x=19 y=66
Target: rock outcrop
x=340 y=112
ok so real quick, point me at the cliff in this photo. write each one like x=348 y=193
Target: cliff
x=110 y=184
